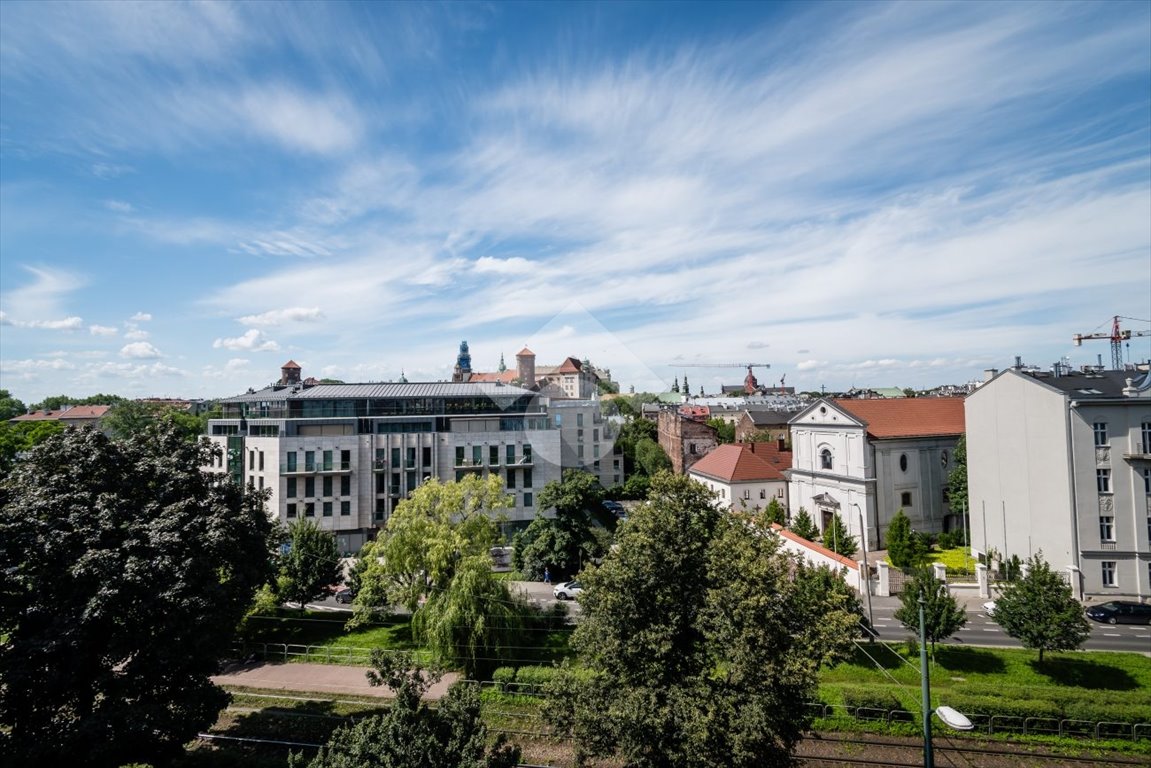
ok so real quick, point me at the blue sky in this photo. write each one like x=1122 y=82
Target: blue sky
x=860 y=194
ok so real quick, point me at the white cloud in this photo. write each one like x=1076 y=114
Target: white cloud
x=140 y=350
x=67 y=324
x=102 y=330
x=809 y=365
x=140 y=317
x=252 y=340
x=135 y=334
x=276 y=317
x=515 y=265
x=118 y=206
x=33 y=366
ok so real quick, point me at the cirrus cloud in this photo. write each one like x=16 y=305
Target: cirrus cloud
x=276 y=317
x=252 y=341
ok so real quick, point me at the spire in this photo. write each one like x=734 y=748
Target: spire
x=502 y=367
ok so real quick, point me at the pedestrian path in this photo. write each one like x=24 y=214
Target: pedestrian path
x=316 y=678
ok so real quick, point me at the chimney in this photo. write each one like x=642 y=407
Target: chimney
x=989 y=374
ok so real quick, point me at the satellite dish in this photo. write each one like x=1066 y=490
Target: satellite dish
x=954 y=719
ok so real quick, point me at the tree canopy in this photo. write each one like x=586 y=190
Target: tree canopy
x=957 y=478
x=904 y=548
x=310 y=565
x=802 y=525
x=942 y=616
x=10 y=407
x=16 y=439
x=724 y=430
x=55 y=402
x=700 y=637
x=127 y=569
x=1040 y=611
x=650 y=457
x=412 y=734
x=838 y=539
x=562 y=543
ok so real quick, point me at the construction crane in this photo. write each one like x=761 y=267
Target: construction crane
x=750 y=384
x=1117 y=337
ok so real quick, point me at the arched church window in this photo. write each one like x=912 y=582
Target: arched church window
x=825 y=458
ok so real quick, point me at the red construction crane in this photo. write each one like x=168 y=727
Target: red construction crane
x=1117 y=337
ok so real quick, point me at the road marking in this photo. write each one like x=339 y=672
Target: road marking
x=990 y=630
x=1112 y=634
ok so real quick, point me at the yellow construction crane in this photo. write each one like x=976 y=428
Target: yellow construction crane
x=1117 y=337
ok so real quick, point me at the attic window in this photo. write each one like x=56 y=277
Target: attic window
x=1091 y=391
x=903 y=462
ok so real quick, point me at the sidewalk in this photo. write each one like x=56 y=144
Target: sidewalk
x=316 y=678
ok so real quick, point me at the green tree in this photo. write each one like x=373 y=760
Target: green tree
x=56 y=402
x=650 y=457
x=127 y=569
x=775 y=512
x=475 y=623
x=311 y=564
x=426 y=538
x=838 y=539
x=957 y=478
x=942 y=616
x=563 y=542
x=634 y=430
x=10 y=407
x=901 y=549
x=22 y=437
x=411 y=734
x=802 y=526
x=724 y=430
x=683 y=657
x=1040 y=611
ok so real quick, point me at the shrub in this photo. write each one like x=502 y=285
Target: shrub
x=996 y=706
x=504 y=675
x=536 y=676
x=871 y=698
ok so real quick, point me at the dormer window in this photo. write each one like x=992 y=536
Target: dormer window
x=825 y=461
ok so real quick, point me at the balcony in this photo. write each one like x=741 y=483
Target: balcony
x=334 y=468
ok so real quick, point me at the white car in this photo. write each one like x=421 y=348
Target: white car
x=989 y=609
x=569 y=590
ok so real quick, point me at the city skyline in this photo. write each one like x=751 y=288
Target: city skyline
x=862 y=195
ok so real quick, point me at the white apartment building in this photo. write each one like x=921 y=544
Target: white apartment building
x=1060 y=462
x=345 y=455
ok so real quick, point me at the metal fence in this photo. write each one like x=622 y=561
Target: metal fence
x=992 y=724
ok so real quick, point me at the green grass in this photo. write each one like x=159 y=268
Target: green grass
x=328 y=634
x=957 y=560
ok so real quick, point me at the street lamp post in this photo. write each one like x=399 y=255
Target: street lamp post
x=924 y=675
x=866 y=565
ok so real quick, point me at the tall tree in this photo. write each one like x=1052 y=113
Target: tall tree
x=310 y=565
x=10 y=407
x=775 y=512
x=412 y=734
x=724 y=430
x=127 y=569
x=1040 y=611
x=650 y=457
x=562 y=543
x=427 y=537
x=957 y=478
x=942 y=616
x=21 y=437
x=802 y=525
x=684 y=659
x=901 y=550
x=475 y=623
x=838 y=539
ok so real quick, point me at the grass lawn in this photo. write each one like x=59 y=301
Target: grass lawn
x=957 y=560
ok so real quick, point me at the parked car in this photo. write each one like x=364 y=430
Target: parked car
x=989 y=609
x=1120 y=612
x=615 y=508
x=345 y=596
x=569 y=590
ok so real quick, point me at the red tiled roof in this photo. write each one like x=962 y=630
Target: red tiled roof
x=780 y=458
x=65 y=414
x=908 y=417
x=695 y=411
x=291 y=364
x=505 y=377
x=525 y=352
x=736 y=463
x=569 y=365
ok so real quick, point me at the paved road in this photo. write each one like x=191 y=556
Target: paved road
x=982 y=630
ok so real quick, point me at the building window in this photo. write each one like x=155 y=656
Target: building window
x=291 y=510
x=1145 y=428
x=327 y=461
x=595 y=451
x=825 y=458
x=1108 y=568
x=579 y=435
x=1107 y=528
x=579 y=451
x=527 y=453
x=381 y=509
x=493 y=455
x=327 y=486
x=309 y=486
x=291 y=488
x=903 y=462
x=345 y=486
x=309 y=509
x=510 y=454
x=309 y=461
x=261 y=461
x=559 y=420
x=905 y=498
x=345 y=507
x=410 y=462
x=345 y=459
x=1147 y=481
x=511 y=478
x=527 y=478
x=261 y=482
x=763 y=493
x=527 y=500
x=251 y=459
x=691 y=448
x=291 y=461
x=1103 y=480
x=595 y=434
x=747 y=493
x=459 y=455
x=579 y=419
x=427 y=456
x=943 y=458
x=1100 y=429
x=477 y=455
x=327 y=509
